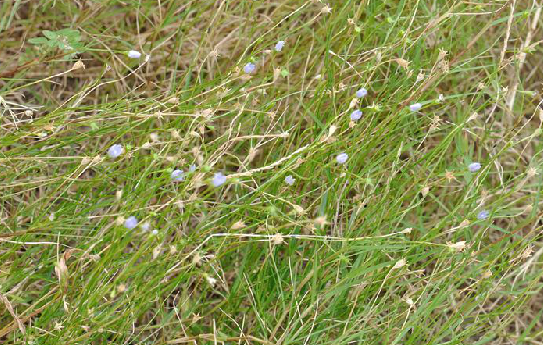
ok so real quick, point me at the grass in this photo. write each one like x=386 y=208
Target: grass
x=384 y=249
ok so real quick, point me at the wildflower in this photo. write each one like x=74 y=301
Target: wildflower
x=290 y=180
x=218 y=179
x=361 y=93
x=134 y=54
x=115 y=151
x=154 y=232
x=279 y=46
x=415 y=107
x=178 y=175
x=342 y=158
x=145 y=226
x=356 y=115
x=212 y=281
x=192 y=168
x=249 y=68
x=474 y=167
x=131 y=223
x=483 y=215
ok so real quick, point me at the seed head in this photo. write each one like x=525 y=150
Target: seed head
x=458 y=246
x=277 y=238
x=78 y=65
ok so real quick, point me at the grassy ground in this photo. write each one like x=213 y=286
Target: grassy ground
x=388 y=248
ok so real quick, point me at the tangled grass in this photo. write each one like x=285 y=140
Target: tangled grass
x=272 y=172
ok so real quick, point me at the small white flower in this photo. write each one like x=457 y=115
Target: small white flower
x=474 y=167
x=290 y=180
x=356 y=115
x=212 y=281
x=342 y=158
x=131 y=222
x=134 y=54
x=218 y=179
x=361 y=93
x=145 y=226
x=249 y=68
x=192 y=168
x=115 y=151
x=415 y=107
x=483 y=215
x=154 y=232
x=279 y=46
x=178 y=175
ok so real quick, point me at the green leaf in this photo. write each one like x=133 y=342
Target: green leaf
x=68 y=32
x=50 y=35
x=38 y=40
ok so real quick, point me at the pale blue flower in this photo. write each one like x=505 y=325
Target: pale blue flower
x=249 y=68
x=178 y=175
x=218 y=179
x=192 y=168
x=415 y=107
x=134 y=54
x=356 y=115
x=483 y=215
x=290 y=180
x=361 y=93
x=115 y=151
x=474 y=167
x=342 y=158
x=131 y=222
x=279 y=46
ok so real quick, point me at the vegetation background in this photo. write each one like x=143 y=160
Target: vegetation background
x=389 y=248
